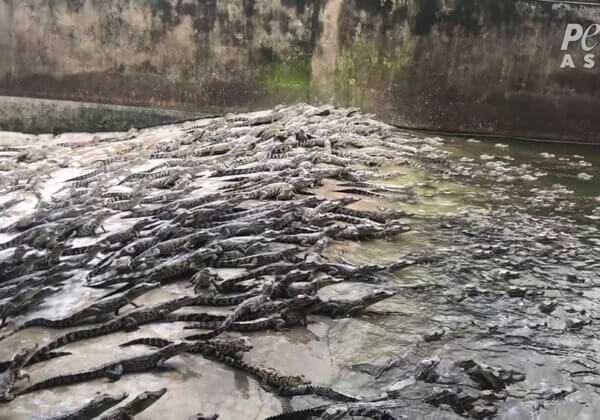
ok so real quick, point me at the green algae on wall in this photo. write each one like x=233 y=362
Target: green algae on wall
x=287 y=78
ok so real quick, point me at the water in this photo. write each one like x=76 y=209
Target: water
x=474 y=215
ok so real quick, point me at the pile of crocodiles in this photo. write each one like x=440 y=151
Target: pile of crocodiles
x=233 y=192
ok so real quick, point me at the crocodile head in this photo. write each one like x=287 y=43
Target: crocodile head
x=242 y=344
x=141 y=288
x=139 y=226
x=345 y=201
x=179 y=302
x=105 y=401
x=327 y=281
x=146 y=399
x=22 y=356
x=301 y=301
x=377 y=295
x=20 y=251
x=234 y=346
x=395 y=230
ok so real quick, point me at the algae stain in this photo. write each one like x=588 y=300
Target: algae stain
x=367 y=65
x=287 y=77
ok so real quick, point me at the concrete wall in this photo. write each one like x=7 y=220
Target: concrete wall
x=487 y=66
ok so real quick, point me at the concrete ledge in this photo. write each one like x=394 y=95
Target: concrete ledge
x=29 y=115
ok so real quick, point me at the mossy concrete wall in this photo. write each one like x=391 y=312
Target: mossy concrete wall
x=484 y=66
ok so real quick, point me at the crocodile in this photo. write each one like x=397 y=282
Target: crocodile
x=365 y=231
x=89 y=249
x=248 y=305
x=136 y=406
x=319 y=390
x=258 y=260
x=381 y=216
x=358 y=191
x=115 y=369
x=278 y=191
x=15 y=372
x=273 y=322
x=267 y=376
x=195 y=317
x=223 y=300
x=162 y=249
x=24 y=299
x=336 y=411
x=90 y=410
x=345 y=307
x=203 y=279
x=5 y=364
x=126 y=322
x=310 y=288
x=89 y=227
x=15 y=258
x=26 y=267
x=279 y=267
x=102 y=307
x=163 y=272
x=232 y=347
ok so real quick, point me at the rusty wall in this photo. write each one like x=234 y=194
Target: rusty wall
x=483 y=66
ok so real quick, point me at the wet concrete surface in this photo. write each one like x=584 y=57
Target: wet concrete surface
x=490 y=244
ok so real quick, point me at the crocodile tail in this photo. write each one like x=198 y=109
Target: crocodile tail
x=48 y=355
x=147 y=341
x=74 y=336
x=204 y=325
x=239 y=364
x=62 y=380
x=8 y=244
x=36 y=322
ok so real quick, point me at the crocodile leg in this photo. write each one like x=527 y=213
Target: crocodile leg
x=114 y=374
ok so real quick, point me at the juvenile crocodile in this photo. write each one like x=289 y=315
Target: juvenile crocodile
x=89 y=228
x=319 y=390
x=232 y=347
x=381 y=216
x=26 y=267
x=115 y=369
x=223 y=300
x=24 y=299
x=267 y=376
x=299 y=304
x=335 y=411
x=248 y=305
x=278 y=191
x=90 y=410
x=126 y=322
x=5 y=364
x=280 y=267
x=273 y=322
x=258 y=260
x=167 y=270
x=102 y=307
x=344 y=307
x=364 y=231
x=14 y=259
x=15 y=373
x=136 y=406
x=310 y=288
